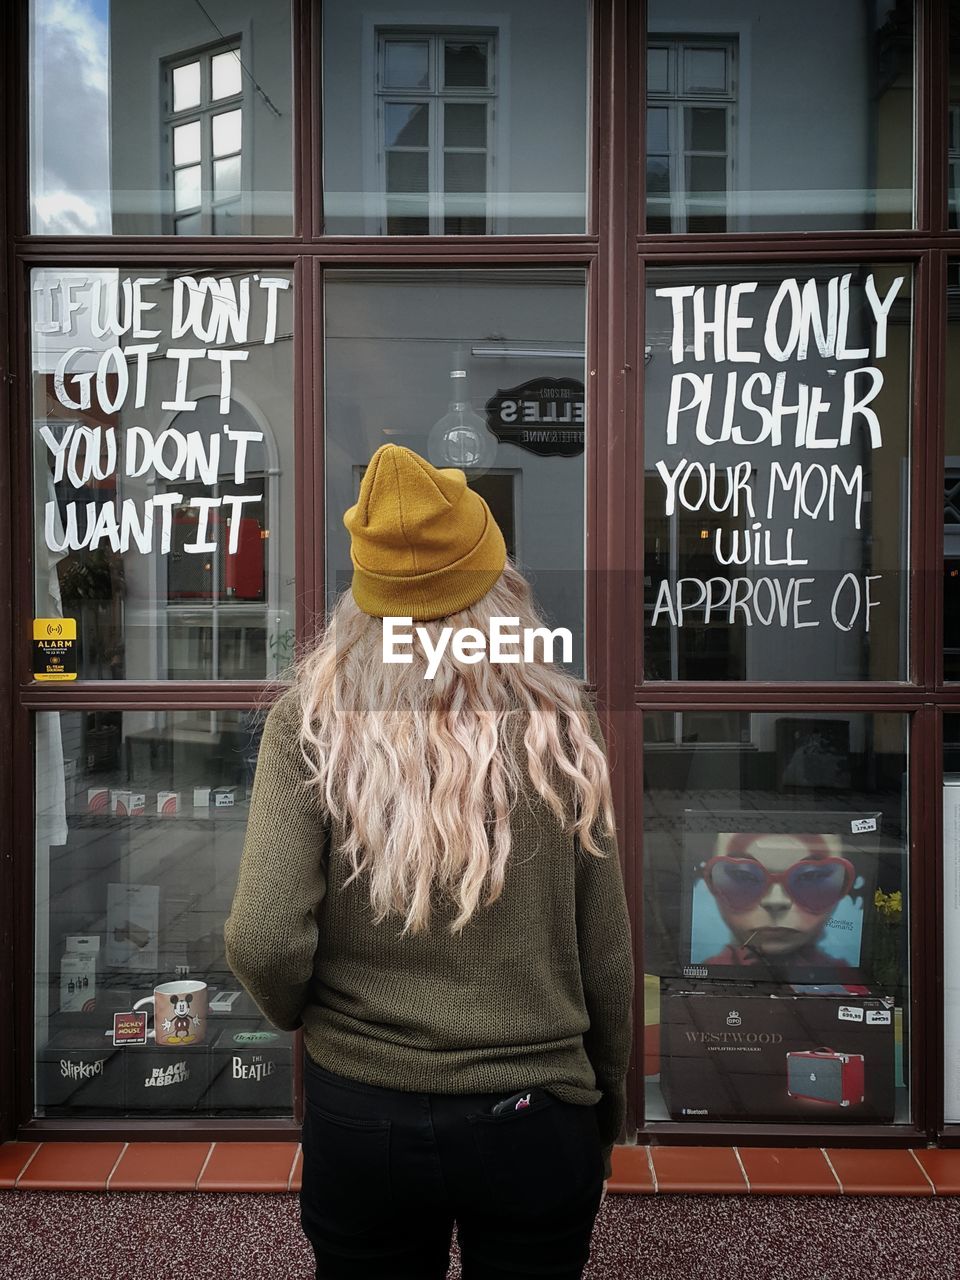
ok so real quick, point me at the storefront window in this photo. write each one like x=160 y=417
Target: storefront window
x=435 y=125
x=951 y=919
x=140 y=820
x=481 y=370
x=171 y=119
x=777 y=412
x=951 y=483
x=163 y=467
x=730 y=85
x=776 y=920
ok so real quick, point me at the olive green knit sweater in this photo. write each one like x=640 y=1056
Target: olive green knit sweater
x=536 y=990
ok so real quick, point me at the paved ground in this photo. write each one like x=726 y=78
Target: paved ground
x=86 y=1236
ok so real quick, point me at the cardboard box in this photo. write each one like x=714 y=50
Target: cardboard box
x=736 y=1052
x=168 y=803
x=98 y=799
x=83 y=943
x=251 y=1067
x=165 y=1080
x=79 y=1071
x=78 y=982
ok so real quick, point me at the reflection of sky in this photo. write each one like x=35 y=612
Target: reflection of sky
x=70 y=117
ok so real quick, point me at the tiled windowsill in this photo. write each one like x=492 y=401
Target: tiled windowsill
x=275 y=1166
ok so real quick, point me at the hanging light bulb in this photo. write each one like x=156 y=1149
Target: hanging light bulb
x=460 y=438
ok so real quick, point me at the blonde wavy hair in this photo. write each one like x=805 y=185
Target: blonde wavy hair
x=422 y=774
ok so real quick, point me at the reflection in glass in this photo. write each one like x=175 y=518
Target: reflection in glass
x=494 y=88
x=149 y=82
x=163 y=509
x=226 y=133
x=810 y=107
x=776 y=854
x=408 y=361
x=777 y=410
x=951 y=483
x=140 y=818
x=226 y=76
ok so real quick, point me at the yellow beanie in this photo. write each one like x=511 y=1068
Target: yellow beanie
x=423 y=545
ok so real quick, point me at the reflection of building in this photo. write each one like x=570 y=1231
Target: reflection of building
x=379 y=155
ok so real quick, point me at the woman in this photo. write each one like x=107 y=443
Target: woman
x=430 y=887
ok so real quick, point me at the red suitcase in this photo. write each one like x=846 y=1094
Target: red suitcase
x=822 y=1075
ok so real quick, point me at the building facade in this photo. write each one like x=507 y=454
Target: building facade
x=676 y=285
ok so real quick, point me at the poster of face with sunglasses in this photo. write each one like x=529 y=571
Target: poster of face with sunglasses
x=781 y=895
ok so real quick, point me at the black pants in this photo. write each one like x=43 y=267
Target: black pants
x=386 y=1173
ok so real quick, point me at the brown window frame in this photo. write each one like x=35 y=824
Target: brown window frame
x=615 y=252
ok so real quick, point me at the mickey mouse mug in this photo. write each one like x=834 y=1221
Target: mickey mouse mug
x=179 y=1012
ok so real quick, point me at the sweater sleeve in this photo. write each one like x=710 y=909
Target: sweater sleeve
x=606 y=967
x=271 y=933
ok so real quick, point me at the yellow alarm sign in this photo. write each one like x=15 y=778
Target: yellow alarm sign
x=54 y=648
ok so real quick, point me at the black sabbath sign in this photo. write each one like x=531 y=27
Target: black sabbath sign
x=543 y=416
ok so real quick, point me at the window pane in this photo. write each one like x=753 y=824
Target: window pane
x=119 y=69
x=465 y=125
x=140 y=821
x=512 y=91
x=464 y=173
x=951 y=919
x=776 y=919
x=163 y=523
x=706 y=174
x=186 y=143
x=190 y=225
x=658 y=175
x=226 y=133
x=706 y=128
x=658 y=70
x=705 y=70
x=406 y=64
x=400 y=336
x=226 y=177
x=464 y=65
x=777 y=411
x=815 y=111
x=406 y=171
x=186 y=86
x=226 y=218
x=951 y=484
x=187 y=187
x=658 y=130
x=226 y=74
x=407 y=124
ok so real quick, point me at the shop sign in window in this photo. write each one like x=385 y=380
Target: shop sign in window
x=163 y=464
x=776 y=427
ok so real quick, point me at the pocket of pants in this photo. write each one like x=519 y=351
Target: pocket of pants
x=539 y=1160
x=346 y=1166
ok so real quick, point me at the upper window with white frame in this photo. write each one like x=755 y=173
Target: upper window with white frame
x=436 y=96
x=691 y=104
x=203 y=140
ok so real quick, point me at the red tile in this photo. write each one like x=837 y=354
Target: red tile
x=248 y=1166
x=630 y=1170
x=695 y=1169
x=800 y=1171
x=13 y=1157
x=942 y=1168
x=865 y=1172
x=70 y=1166
x=159 y=1166
x=296 y=1173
